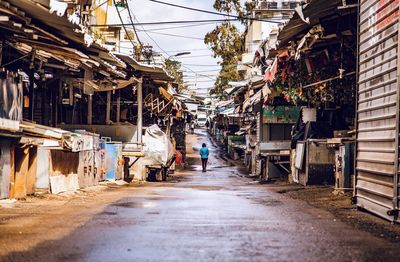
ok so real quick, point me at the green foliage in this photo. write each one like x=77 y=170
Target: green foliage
x=227 y=43
x=229 y=6
x=174 y=68
x=226 y=74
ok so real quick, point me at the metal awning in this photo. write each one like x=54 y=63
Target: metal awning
x=314 y=11
x=151 y=71
x=252 y=100
x=39 y=11
x=228 y=111
x=53 y=48
x=224 y=103
x=37 y=130
x=165 y=94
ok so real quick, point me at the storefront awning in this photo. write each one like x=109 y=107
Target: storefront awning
x=314 y=11
x=224 y=103
x=36 y=130
x=150 y=71
x=256 y=98
x=166 y=94
x=230 y=112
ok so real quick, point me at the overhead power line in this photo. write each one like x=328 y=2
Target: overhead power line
x=134 y=28
x=183 y=50
x=205 y=71
x=155 y=42
x=209 y=65
x=179 y=27
x=174 y=35
x=120 y=18
x=205 y=81
x=176 y=51
x=165 y=22
x=149 y=36
x=193 y=56
x=213 y=13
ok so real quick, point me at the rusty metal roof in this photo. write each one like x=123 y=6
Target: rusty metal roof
x=151 y=71
x=315 y=10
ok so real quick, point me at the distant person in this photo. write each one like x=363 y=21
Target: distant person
x=189 y=120
x=207 y=124
x=204 y=152
x=192 y=127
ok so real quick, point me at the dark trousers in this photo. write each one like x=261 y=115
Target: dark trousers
x=204 y=163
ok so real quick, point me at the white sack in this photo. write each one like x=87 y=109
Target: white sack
x=157 y=145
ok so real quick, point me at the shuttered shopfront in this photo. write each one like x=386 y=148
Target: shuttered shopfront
x=378 y=108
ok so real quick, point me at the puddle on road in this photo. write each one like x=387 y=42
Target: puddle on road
x=269 y=202
x=135 y=204
x=108 y=213
x=202 y=187
x=153 y=213
x=223 y=166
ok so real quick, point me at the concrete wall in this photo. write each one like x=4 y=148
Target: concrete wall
x=43 y=169
x=5 y=168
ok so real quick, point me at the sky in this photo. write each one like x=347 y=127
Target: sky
x=200 y=60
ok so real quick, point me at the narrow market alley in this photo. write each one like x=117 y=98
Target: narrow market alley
x=195 y=216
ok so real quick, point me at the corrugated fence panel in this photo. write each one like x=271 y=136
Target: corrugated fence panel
x=377 y=105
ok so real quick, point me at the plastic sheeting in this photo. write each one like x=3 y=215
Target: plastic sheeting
x=157 y=145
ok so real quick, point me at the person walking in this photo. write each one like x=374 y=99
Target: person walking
x=204 y=152
x=192 y=127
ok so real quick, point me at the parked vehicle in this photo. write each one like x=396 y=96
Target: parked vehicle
x=201 y=120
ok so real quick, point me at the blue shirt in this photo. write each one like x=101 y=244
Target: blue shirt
x=204 y=152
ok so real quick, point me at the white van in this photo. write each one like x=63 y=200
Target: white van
x=201 y=120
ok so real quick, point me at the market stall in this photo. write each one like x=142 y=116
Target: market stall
x=274 y=149
x=313 y=67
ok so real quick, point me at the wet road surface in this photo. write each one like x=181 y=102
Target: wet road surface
x=213 y=216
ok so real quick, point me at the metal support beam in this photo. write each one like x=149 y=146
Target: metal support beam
x=90 y=110
x=108 y=108
x=31 y=94
x=1 y=51
x=32 y=85
x=118 y=106
x=140 y=110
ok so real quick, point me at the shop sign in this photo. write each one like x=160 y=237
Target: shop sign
x=280 y=114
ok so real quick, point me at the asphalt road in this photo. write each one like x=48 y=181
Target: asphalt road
x=212 y=216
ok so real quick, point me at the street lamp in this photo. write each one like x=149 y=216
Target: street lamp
x=179 y=54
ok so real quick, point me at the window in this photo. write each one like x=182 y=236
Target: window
x=285 y=5
x=273 y=5
x=276 y=132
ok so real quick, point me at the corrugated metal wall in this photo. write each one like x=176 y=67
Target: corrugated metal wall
x=377 y=118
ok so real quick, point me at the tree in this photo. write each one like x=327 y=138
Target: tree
x=173 y=67
x=227 y=42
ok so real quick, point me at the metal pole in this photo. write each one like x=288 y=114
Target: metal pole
x=108 y=108
x=31 y=94
x=118 y=106
x=140 y=110
x=90 y=110
x=1 y=51
x=32 y=85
